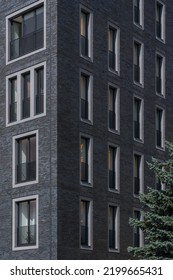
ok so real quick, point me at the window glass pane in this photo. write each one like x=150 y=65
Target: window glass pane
x=83 y=24
x=23 y=214
x=84 y=87
x=39 y=18
x=32 y=212
x=33 y=149
x=23 y=150
x=28 y=23
x=84 y=150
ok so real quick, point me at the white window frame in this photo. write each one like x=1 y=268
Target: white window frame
x=90 y=97
x=141 y=118
x=117 y=49
x=141 y=63
x=90 y=225
x=141 y=11
x=117 y=168
x=117 y=108
x=14 y=158
x=90 y=33
x=14 y=221
x=141 y=173
x=162 y=128
x=117 y=226
x=141 y=234
x=162 y=74
x=163 y=20
x=19 y=74
x=18 y=12
x=90 y=161
x=156 y=182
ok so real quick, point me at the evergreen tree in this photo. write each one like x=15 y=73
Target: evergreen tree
x=157 y=213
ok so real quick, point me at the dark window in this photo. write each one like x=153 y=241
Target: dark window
x=137 y=19
x=159 y=116
x=84 y=222
x=112 y=108
x=26 y=223
x=137 y=176
x=13 y=100
x=159 y=62
x=158 y=184
x=137 y=123
x=159 y=27
x=39 y=97
x=111 y=46
x=84 y=159
x=26 y=159
x=137 y=215
x=84 y=22
x=112 y=167
x=26 y=33
x=137 y=54
x=112 y=227
x=84 y=88
x=26 y=95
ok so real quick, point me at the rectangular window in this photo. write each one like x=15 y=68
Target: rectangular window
x=160 y=21
x=160 y=131
x=86 y=96
x=138 y=8
x=113 y=224
x=138 y=118
x=160 y=74
x=25 y=31
x=138 y=173
x=86 y=33
x=159 y=185
x=113 y=105
x=25 y=223
x=113 y=167
x=138 y=239
x=85 y=223
x=138 y=54
x=26 y=94
x=114 y=48
x=85 y=160
x=25 y=159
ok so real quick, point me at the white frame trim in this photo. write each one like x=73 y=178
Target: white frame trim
x=90 y=32
x=162 y=94
x=32 y=90
x=18 y=12
x=90 y=224
x=141 y=117
x=117 y=168
x=117 y=49
x=117 y=225
x=162 y=148
x=90 y=97
x=117 y=108
x=14 y=201
x=141 y=25
x=141 y=172
x=19 y=136
x=90 y=161
x=163 y=19
x=141 y=234
x=141 y=61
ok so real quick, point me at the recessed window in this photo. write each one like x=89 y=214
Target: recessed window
x=160 y=128
x=159 y=185
x=85 y=223
x=85 y=160
x=160 y=21
x=25 y=159
x=86 y=96
x=113 y=167
x=26 y=94
x=86 y=19
x=138 y=169
x=113 y=106
x=114 y=48
x=160 y=74
x=26 y=31
x=25 y=223
x=113 y=227
x=138 y=118
x=138 y=12
x=138 y=238
x=138 y=66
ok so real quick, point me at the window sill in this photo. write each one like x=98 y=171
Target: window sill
x=25 y=248
x=141 y=141
x=88 y=58
x=23 y=56
x=114 y=71
x=26 y=120
x=83 y=184
x=138 y=25
x=114 y=131
x=89 y=248
x=25 y=184
x=160 y=95
x=116 y=250
x=160 y=148
x=138 y=84
x=86 y=121
x=161 y=40
x=117 y=191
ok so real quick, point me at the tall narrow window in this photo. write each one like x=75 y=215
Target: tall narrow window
x=84 y=88
x=138 y=174
x=138 y=12
x=113 y=48
x=86 y=33
x=138 y=62
x=85 y=223
x=113 y=227
x=159 y=128
x=113 y=102
x=160 y=21
x=160 y=74
x=13 y=95
x=138 y=235
x=39 y=96
x=26 y=96
x=113 y=168
x=138 y=119
x=85 y=160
